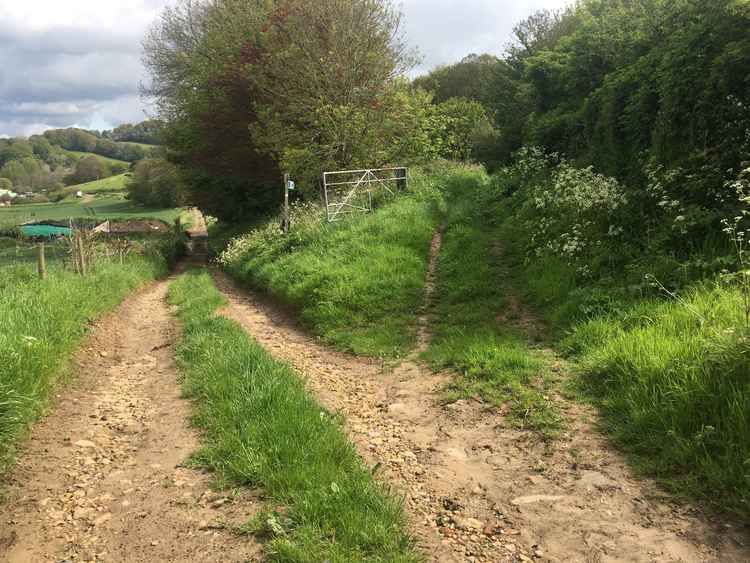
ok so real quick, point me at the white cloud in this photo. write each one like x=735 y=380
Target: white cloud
x=78 y=61
x=115 y=16
x=444 y=31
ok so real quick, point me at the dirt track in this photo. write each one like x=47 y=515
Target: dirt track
x=101 y=478
x=476 y=488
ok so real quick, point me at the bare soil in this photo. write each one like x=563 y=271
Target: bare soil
x=475 y=487
x=103 y=476
x=138 y=226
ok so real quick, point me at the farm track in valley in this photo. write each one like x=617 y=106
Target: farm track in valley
x=103 y=477
x=475 y=487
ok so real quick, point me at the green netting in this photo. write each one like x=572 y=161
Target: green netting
x=45 y=231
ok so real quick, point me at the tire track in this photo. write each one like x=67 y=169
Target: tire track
x=102 y=477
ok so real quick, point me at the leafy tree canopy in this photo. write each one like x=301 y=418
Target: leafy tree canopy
x=248 y=88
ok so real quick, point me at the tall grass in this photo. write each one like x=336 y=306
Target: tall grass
x=41 y=324
x=358 y=284
x=671 y=376
x=473 y=331
x=673 y=381
x=264 y=429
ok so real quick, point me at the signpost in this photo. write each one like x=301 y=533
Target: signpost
x=289 y=186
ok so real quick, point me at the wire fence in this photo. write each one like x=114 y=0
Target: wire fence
x=78 y=253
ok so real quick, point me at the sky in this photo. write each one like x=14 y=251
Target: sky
x=78 y=62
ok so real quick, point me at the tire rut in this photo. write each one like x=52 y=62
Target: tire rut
x=102 y=477
x=475 y=487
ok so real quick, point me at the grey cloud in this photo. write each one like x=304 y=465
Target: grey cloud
x=68 y=40
x=89 y=75
x=67 y=76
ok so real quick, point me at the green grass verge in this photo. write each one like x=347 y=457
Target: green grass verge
x=673 y=381
x=103 y=207
x=262 y=428
x=42 y=323
x=358 y=284
x=471 y=330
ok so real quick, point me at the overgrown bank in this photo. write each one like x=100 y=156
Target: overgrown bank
x=42 y=323
x=357 y=284
x=666 y=361
x=264 y=429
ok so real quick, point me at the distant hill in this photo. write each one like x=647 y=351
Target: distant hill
x=87 y=141
x=44 y=164
x=145 y=133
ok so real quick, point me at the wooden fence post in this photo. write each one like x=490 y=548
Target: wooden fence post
x=41 y=261
x=81 y=254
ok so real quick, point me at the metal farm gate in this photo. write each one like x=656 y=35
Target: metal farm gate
x=351 y=191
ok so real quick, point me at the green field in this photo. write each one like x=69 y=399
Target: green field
x=104 y=159
x=111 y=184
x=103 y=207
x=144 y=146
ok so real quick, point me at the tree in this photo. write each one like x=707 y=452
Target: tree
x=323 y=77
x=200 y=86
x=464 y=125
x=15 y=149
x=41 y=147
x=25 y=173
x=157 y=183
x=147 y=132
x=472 y=78
x=307 y=79
x=6 y=184
x=88 y=169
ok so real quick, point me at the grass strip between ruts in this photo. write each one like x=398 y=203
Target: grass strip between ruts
x=264 y=429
